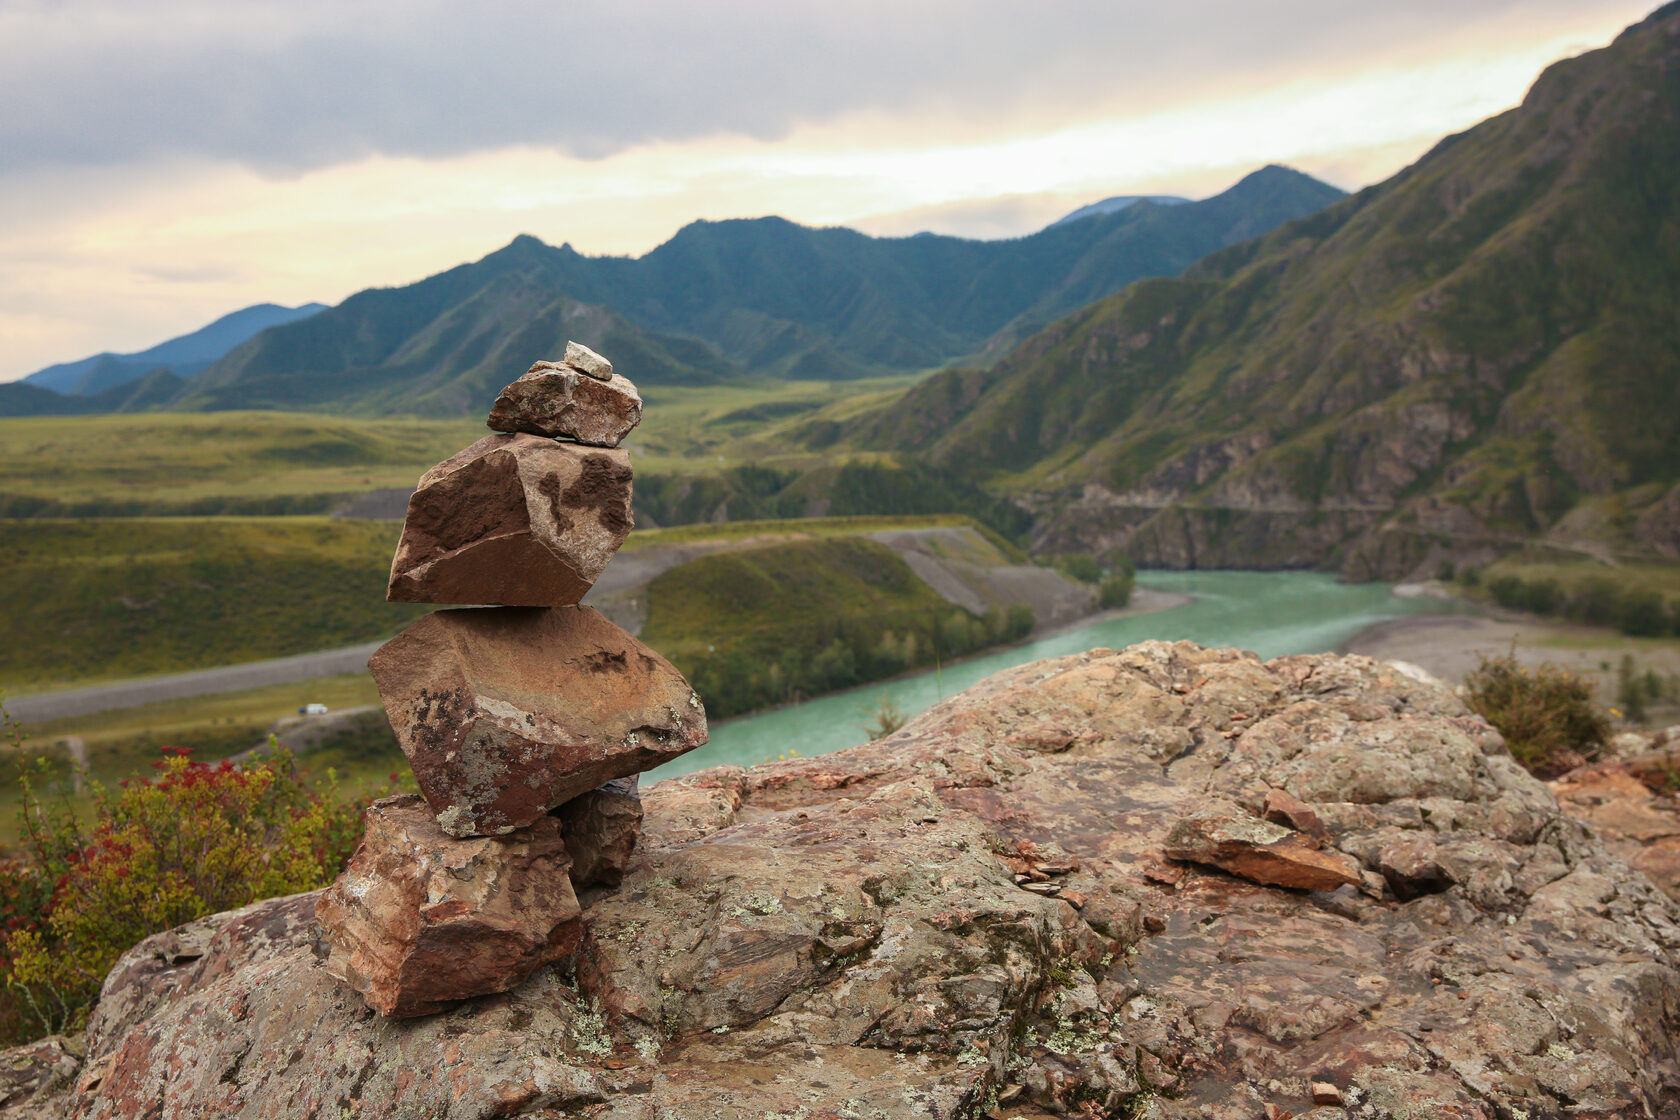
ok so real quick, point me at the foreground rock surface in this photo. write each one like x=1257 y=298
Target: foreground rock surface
x=976 y=916
x=420 y=920
x=555 y=399
x=507 y=712
x=1633 y=803
x=514 y=519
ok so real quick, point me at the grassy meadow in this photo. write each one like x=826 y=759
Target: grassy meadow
x=220 y=463
x=89 y=600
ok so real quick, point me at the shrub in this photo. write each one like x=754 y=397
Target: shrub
x=1547 y=714
x=885 y=719
x=1116 y=590
x=191 y=840
x=1080 y=567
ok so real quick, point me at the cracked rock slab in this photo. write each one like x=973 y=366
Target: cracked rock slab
x=555 y=399
x=508 y=712
x=513 y=520
x=420 y=920
x=1261 y=852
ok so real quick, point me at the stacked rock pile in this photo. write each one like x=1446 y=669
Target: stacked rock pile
x=525 y=717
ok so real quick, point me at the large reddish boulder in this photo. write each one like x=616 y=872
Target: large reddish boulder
x=508 y=712
x=556 y=399
x=420 y=920
x=515 y=519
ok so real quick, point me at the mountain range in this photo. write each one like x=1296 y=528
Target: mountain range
x=184 y=356
x=721 y=300
x=1484 y=348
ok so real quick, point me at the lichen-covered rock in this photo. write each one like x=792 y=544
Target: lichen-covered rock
x=37 y=1077
x=1630 y=804
x=555 y=399
x=420 y=920
x=515 y=520
x=507 y=712
x=601 y=828
x=978 y=913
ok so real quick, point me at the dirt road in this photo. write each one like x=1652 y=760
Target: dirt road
x=179 y=686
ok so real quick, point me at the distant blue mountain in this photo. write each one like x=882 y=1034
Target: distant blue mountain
x=1118 y=202
x=184 y=356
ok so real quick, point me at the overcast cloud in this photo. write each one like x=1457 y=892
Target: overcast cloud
x=164 y=162
x=292 y=86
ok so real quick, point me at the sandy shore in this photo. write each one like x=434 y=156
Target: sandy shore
x=1451 y=646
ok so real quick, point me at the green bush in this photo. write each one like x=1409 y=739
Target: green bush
x=1598 y=601
x=1116 y=590
x=1547 y=714
x=191 y=840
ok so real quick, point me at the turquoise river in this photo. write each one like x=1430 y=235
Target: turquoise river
x=1271 y=613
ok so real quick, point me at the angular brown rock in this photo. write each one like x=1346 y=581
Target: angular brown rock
x=1260 y=852
x=555 y=399
x=1283 y=807
x=420 y=920
x=516 y=520
x=507 y=712
x=601 y=828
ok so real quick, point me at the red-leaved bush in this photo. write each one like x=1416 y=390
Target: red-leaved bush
x=190 y=840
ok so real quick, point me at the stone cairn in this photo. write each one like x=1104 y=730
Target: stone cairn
x=525 y=722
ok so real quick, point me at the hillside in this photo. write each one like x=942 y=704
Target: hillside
x=724 y=300
x=1481 y=350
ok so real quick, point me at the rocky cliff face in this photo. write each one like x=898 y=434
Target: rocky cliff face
x=1013 y=907
x=1491 y=331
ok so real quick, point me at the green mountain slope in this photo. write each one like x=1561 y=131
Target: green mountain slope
x=1483 y=349
x=778 y=299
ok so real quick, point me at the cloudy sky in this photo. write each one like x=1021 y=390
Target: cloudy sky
x=164 y=163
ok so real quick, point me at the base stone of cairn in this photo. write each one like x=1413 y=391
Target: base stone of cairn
x=602 y=827
x=506 y=713
x=524 y=717
x=421 y=920
x=518 y=520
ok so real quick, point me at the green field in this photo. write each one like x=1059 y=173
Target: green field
x=83 y=601
x=211 y=463
x=220 y=463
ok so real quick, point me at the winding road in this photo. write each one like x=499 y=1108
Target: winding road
x=200 y=682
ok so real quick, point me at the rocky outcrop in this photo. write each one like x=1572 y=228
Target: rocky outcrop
x=556 y=399
x=507 y=713
x=980 y=915
x=515 y=519
x=422 y=920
